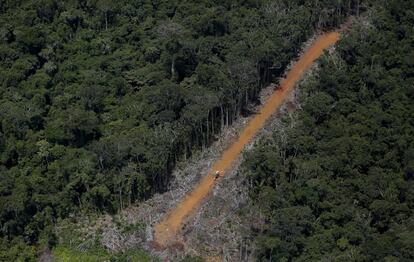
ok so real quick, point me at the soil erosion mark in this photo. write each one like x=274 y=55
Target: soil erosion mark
x=168 y=228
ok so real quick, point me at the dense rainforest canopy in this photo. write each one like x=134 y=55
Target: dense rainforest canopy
x=336 y=183
x=100 y=98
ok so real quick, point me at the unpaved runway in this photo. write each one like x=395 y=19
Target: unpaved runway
x=169 y=227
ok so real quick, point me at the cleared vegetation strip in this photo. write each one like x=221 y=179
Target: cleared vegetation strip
x=171 y=225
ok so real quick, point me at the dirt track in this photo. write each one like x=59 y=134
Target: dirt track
x=168 y=228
